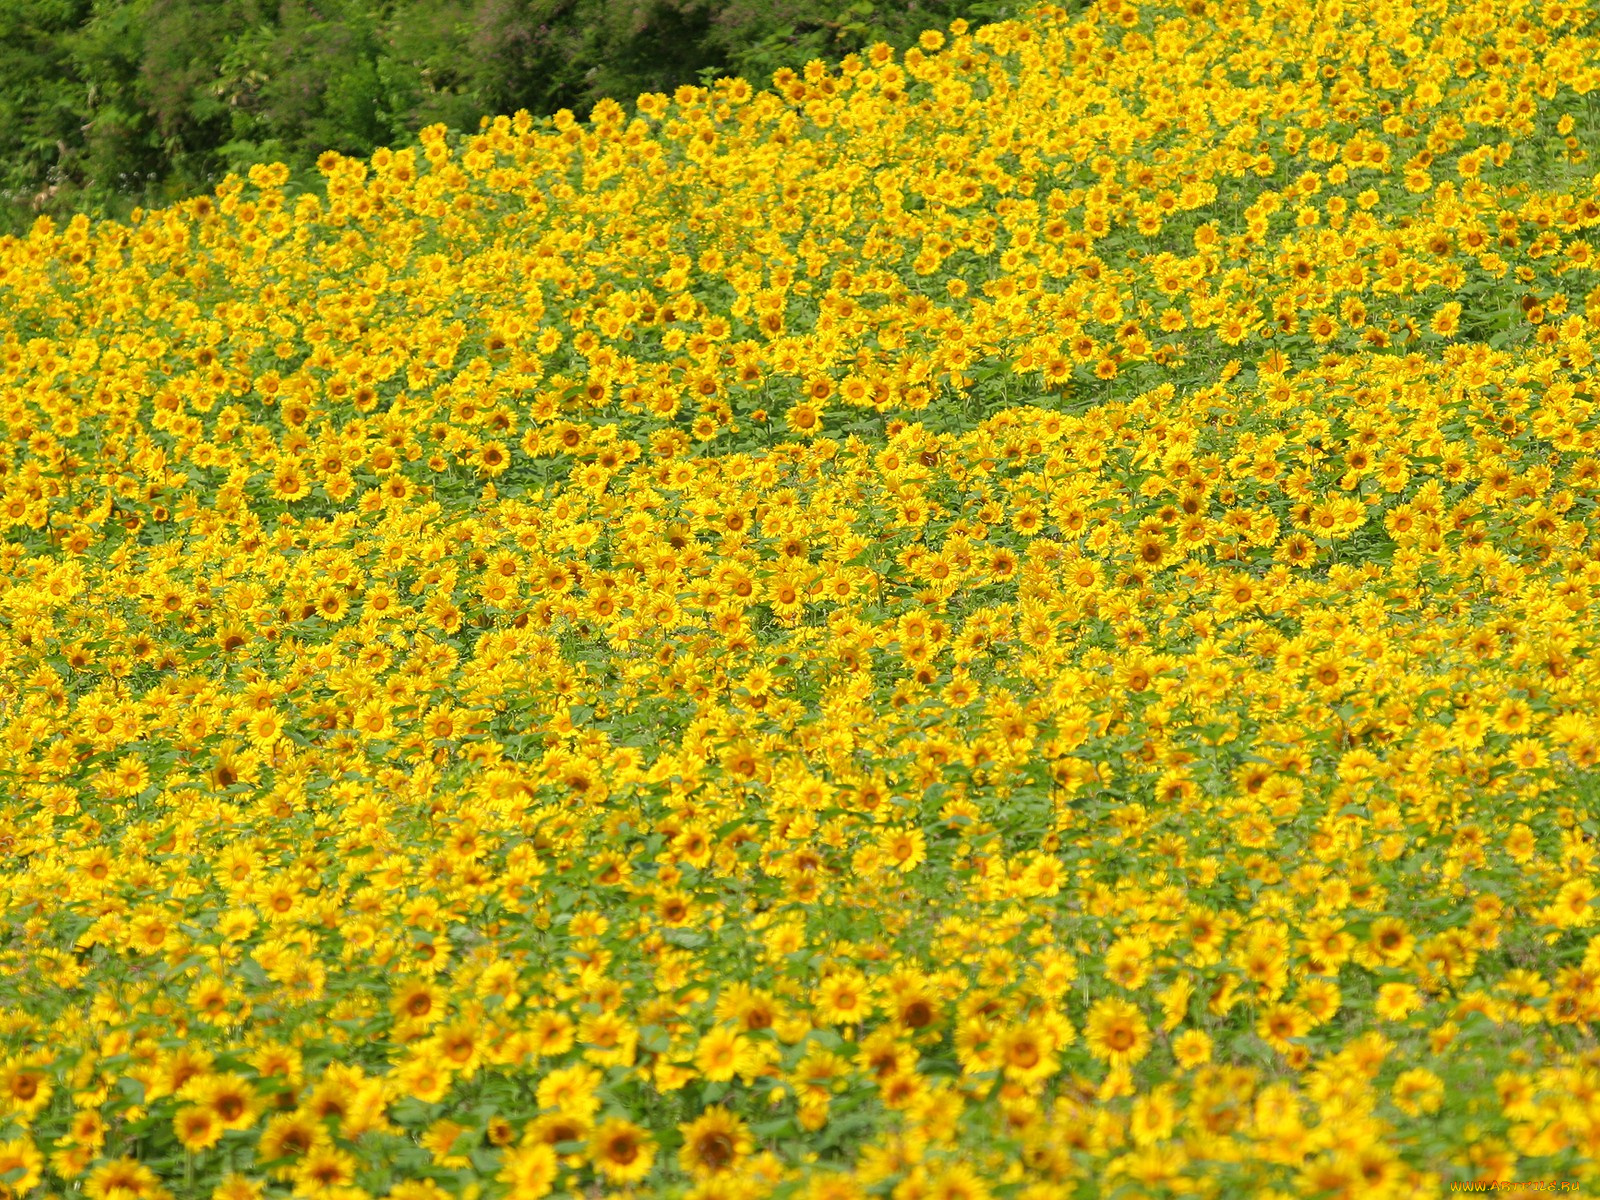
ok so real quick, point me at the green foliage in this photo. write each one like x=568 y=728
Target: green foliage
x=38 y=101
x=108 y=104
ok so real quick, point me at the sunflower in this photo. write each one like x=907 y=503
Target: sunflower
x=197 y=1128
x=713 y=1142
x=1418 y=1091
x=1191 y=1049
x=235 y=1186
x=414 y=1189
x=1389 y=942
x=26 y=1089
x=124 y=1176
x=418 y=1000
x=230 y=1098
x=557 y=1129
x=1320 y=999
x=841 y=999
x=459 y=1046
x=610 y=1039
x=289 y=1137
x=1117 y=1032
x=571 y=1090
x=1280 y=1024
x=442 y=1139
x=550 y=1034
x=1396 y=1001
x=1297 y=550
x=957 y=1181
x=20 y=1159
x=530 y=1170
x=905 y=848
x=804 y=419
x=424 y=1079
x=723 y=1053
x=1127 y=962
x=828 y=1185
x=1025 y=1053
x=752 y=1008
x=325 y=1173
x=621 y=1151
x=917 y=1007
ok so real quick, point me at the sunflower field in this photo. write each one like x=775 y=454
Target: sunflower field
x=1017 y=619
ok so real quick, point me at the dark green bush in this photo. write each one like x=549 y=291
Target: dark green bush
x=105 y=104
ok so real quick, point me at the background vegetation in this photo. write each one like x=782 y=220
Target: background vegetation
x=106 y=104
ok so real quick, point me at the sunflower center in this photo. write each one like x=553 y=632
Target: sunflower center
x=716 y=1150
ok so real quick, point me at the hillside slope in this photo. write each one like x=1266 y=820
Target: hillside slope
x=1018 y=621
